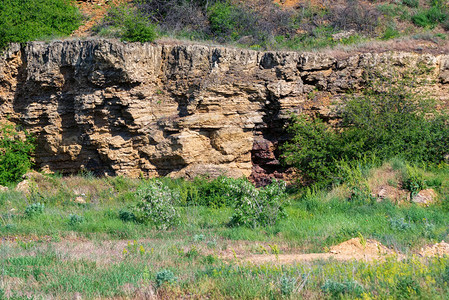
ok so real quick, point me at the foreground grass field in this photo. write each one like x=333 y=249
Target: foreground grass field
x=74 y=237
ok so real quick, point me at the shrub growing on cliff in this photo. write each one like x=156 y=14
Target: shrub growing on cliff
x=387 y=120
x=25 y=20
x=15 y=154
x=129 y=24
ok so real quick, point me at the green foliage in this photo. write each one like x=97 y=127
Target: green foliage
x=313 y=149
x=337 y=289
x=400 y=224
x=156 y=205
x=390 y=32
x=430 y=17
x=75 y=219
x=222 y=17
x=25 y=20
x=126 y=215
x=263 y=207
x=165 y=276
x=34 y=209
x=413 y=181
x=407 y=287
x=16 y=148
x=411 y=3
x=287 y=285
x=386 y=121
x=129 y=24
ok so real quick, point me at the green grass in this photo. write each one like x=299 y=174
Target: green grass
x=26 y=20
x=48 y=255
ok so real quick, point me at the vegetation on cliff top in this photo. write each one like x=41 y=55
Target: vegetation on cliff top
x=265 y=24
x=261 y=24
x=25 y=20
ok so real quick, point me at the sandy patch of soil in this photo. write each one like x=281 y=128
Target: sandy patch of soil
x=353 y=249
x=438 y=249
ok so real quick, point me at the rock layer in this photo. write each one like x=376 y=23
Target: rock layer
x=160 y=109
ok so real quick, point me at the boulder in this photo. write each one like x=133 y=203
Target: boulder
x=425 y=197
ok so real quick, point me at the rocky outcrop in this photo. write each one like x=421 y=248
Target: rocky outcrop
x=161 y=109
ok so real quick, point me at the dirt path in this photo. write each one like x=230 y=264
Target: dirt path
x=106 y=252
x=353 y=249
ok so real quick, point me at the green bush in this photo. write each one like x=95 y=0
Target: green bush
x=34 y=209
x=165 y=277
x=74 y=219
x=25 y=20
x=156 y=205
x=129 y=24
x=390 y=32
x=214 y=193
x=411 y=3
x=430 y=17
x=313 y=149
x=388 y=120
x=126 y=215
x=16 y=148
x=258 y=207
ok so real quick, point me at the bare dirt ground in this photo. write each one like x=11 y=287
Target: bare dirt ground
x=111 y=251
x=438 y=249
x=353 y=249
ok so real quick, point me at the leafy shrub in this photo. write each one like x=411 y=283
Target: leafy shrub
x=411 y=3
x=386 y=121
x=361 y=194
x=407 y=288
x=34 y=209
x=74 y=219
x=251 y=23
x=253 y=207
x=126 y=215
x=129 y=24
x=390 y=32
x=430 y=17
x=413 y=182
x=25 y=20
x=337 y=289
x=165 y=276
x=16 y=148
x=400 y=224
x=156 y=205
x=287 y=285
x=313 y=149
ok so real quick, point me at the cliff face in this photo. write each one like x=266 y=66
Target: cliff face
x=178 y=110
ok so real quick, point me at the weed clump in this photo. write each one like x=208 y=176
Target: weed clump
x=338 y=289
x=75 y=219
x=34 y=209
x=165 y=276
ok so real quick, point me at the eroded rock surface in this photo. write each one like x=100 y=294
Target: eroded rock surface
x=161 y=109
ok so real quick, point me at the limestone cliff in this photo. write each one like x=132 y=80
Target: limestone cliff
x=161 y=109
